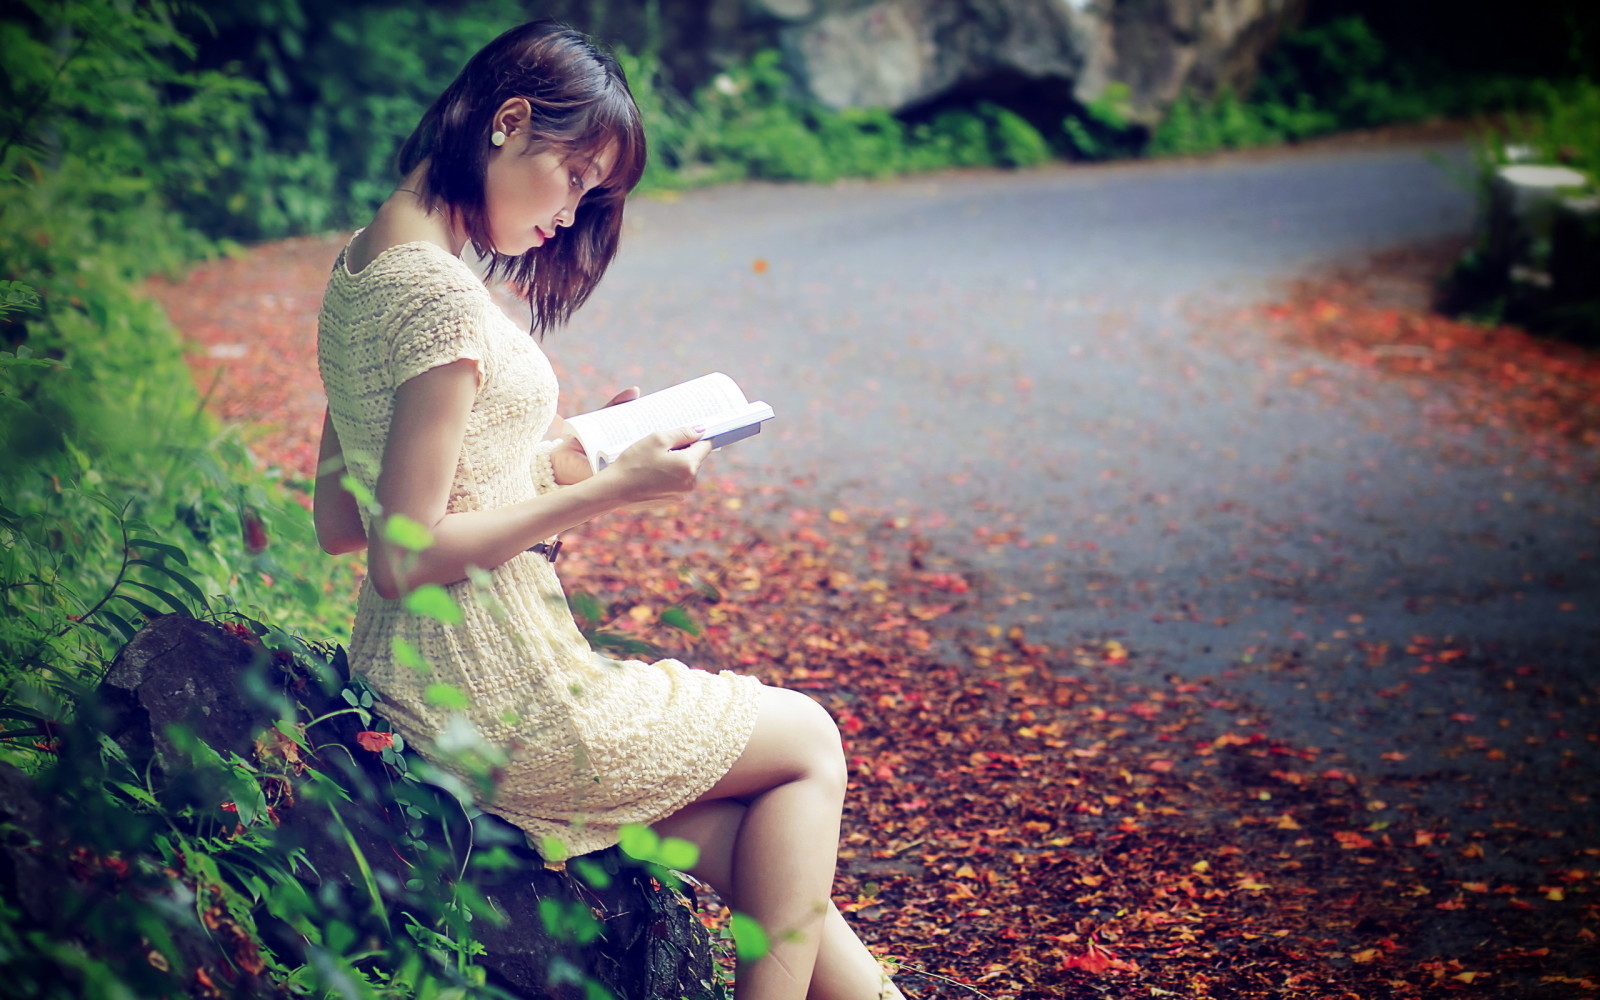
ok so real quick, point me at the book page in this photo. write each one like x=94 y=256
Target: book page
x=607 y=432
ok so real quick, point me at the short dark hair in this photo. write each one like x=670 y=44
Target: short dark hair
x=581 y=103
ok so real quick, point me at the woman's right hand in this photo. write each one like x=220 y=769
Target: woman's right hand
x=659 y=469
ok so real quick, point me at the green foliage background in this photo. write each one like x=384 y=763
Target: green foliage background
x=139 y=135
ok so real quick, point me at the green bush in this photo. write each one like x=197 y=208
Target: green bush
x=1333 y=76
x=864 y=142
x=322 y=95
x=1104 y=129
x=1014 y=142
x=668 y=117
x=1564 y=128
x=102 y=130
x=1340 y=67
x=191 y=853
x=336 y=88
x=103 y=428
x=751 y=122
x=121 y=500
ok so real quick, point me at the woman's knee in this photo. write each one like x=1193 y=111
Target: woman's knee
x=795 y=739
x=813 y=737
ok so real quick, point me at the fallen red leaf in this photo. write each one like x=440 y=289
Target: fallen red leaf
x=374 y=741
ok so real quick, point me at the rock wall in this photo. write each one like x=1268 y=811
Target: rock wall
x=904 y=53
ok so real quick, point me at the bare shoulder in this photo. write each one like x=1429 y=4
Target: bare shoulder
x=390 y=228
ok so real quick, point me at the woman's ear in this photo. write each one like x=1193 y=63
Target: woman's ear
x=513 y=116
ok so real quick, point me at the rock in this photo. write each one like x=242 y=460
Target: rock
x=1537 y=262
x=1575 y=251
x=785 y=10
x=903 y=54
x=167 y=673
x=1160 y=48
x=878 y=56
x=1523 y=204
x=229 y=692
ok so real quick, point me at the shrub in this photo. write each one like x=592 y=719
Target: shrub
x=337 y=88
x=1336 y=75
x=105 y=437
x=1566 y=127
x=1104 y=129
x=1013 y=141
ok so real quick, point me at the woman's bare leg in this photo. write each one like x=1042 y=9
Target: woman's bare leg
x=769 y=838
x=845 y=969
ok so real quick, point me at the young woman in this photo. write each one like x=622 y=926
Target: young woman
x=445 y=411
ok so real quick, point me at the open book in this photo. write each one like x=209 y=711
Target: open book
x=714 y=401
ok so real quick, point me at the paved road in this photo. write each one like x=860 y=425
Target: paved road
x=1022 y=352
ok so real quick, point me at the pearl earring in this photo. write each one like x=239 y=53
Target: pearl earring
x=498 y=138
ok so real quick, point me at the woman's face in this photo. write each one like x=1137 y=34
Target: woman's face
x=529 y=195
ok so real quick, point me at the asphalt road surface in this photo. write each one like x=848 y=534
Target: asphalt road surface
x=1038 y=353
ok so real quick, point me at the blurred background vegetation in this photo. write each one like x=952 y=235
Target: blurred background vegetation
x=139 y=135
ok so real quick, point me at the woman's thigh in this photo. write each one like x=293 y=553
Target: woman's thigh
x=713 y=827
x=794 y=739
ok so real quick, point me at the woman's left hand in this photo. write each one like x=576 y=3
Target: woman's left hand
x=568 y=460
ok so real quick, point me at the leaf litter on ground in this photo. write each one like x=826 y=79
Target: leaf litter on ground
x=1026 y=819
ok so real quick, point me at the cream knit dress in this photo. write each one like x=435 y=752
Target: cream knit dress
x=594 y=743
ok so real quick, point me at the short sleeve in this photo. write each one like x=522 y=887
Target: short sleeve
x=435 y=326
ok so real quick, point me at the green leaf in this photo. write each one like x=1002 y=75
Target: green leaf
x=363 y=496
x=678 y=854
x=118 y=622
x=432 y=601
x=446 y=696
x=408 y=655
x=573 y=921
x=136 y=793
x=17 y=297
x=679 y=618
x=592 y=873
x=406 y=533
x=552 y=849
x=750 y=941
x=149 y=613
x=22 y=712
x=171 y=551
x=171 y=601
x=186 y=584
x=585 y=606
x=292 y=731
x=639 y=842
